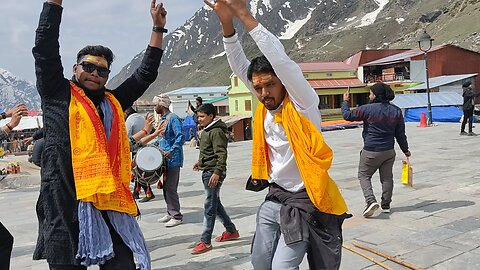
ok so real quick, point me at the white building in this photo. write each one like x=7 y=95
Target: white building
x=180 y=97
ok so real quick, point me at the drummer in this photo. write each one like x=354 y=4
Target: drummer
x=137 y=128
x=169 y=139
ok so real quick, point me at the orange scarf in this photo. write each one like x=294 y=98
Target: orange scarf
x=312 y=155
x=101 y=168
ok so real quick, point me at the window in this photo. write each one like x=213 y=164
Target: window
x=211 y=95
x=235 y=81
x=248 y=105
x=329 y=74
x=236 y=105
x=179 y=97
x=195 y=95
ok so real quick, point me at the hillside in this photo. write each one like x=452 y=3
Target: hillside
x=311 y=30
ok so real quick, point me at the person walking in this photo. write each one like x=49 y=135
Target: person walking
x=289 y=154
x=468 y=107
x=86 y=212
x=170 y=141
x=382 y=124
x=212 y=161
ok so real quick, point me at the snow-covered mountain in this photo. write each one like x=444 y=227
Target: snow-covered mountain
x=14 y=90
x=311 y=30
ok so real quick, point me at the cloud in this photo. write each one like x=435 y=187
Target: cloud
x=123 y=25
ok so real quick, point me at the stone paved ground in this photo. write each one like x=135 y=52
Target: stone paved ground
x=435 y=225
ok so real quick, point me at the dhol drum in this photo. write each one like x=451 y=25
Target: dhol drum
x=148 y=165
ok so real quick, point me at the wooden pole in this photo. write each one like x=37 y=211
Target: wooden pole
x=368 y=258
x=393 y=259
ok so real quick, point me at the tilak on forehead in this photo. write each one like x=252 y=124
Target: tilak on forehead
x=96 y=60
x=262 y=79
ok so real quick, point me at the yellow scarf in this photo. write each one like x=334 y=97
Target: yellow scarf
x=312 y=155
x=101 y=168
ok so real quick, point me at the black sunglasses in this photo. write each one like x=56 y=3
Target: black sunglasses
x=89 y=67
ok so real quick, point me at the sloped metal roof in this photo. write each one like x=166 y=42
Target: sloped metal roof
x=442 y=80
x=198 y=90
x=325 y=66
x=401 y=57
x=420 y=100
x=336 y=83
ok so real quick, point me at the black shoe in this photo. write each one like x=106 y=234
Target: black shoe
x=385 y=208
x=463 y=133
x=146 y=199
x=370 y=209
x=135 y=195
x=472 y=134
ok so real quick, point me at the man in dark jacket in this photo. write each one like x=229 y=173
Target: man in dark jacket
x=212 y=161
x=382 y=123
x=71 y=228
x=468 y=106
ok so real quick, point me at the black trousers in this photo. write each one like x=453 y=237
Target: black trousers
x=6 y=246
x=467 y=116
x=123 y=259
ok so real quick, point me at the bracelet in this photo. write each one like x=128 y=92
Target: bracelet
x=231 y=35
x=8 y=126
x=159 y=29
x=144 y=130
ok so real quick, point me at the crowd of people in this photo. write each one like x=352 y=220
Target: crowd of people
x=86 y=212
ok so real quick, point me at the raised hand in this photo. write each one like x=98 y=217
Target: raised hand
x=149 y=120
x=159 y=14
x=224 y=13
x=19 y=108
x=238 y=7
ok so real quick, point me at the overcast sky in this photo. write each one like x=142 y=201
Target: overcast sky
x=122 y=25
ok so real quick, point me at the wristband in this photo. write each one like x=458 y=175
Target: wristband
x=8 y=126
x=231 y=35
x=144 y=130
x=159 y=29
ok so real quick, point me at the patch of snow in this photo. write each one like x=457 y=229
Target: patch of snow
x=400 y=20
x=181 y=65
x=370 y=18
x=330 y=27
x=293 y=27
x=218 y=55
x=351 y=19
x=388 y=18
x=328 y=42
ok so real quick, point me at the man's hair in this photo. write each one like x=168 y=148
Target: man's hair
x=261 y=65
x=199 y=99
x=207 y=109
x=466 y=84
x=96 y=50
x=130 y=110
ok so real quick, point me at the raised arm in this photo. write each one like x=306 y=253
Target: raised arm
x=48 y=65
x=235 y=55
x=351 y=115
x=298 y=88
x=134 y=87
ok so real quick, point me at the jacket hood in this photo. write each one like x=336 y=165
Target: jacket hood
x=217 y=123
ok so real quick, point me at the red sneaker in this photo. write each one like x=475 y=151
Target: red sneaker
x=227 y=236
x=201 y=247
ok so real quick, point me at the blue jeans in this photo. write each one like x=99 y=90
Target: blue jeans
x=269 y=250
x=214 y=207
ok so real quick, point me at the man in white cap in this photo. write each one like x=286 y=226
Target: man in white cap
x=170 y=141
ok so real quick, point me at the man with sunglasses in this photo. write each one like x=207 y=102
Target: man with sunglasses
x=85 y=210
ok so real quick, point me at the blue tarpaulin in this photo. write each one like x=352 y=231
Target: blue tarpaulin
x=439 y=114
x=189 y=128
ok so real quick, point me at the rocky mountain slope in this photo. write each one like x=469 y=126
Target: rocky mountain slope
x=311 y=30
x=14 y=90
